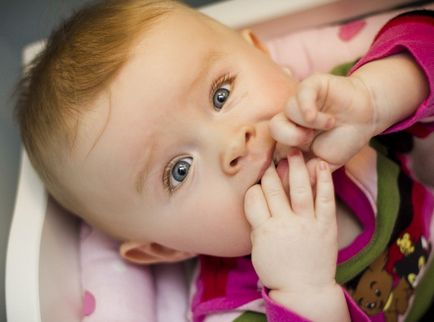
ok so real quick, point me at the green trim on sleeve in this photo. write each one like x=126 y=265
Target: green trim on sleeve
x=343 y=69
x=250 y=316
x=387 y=212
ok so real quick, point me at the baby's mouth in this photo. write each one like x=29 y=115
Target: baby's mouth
x=279 y=158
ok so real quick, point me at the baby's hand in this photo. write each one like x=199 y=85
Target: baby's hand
x=332 y=117
x=294 y=237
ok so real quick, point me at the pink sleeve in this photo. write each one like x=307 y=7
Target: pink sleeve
x=412 y=32
x=278 y=313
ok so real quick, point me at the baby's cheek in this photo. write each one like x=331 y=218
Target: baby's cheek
x=233 y=236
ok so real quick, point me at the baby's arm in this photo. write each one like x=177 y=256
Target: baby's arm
x=294 y=241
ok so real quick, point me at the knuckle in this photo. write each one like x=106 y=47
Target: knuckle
x=261 y=232
x=326 y=180
x=274 y=191
x=326 y=198
x=300 y=190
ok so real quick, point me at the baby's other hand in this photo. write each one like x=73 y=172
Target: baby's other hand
x=332 y=117
x=294 y=235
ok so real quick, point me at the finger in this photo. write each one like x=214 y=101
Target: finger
x=300 y=189
x=288 y=133
x=274 y=193
x=255 y=206
x=325 y=206
x=306 y=107
x=311 y=99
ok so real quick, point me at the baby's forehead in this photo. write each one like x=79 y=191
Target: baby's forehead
x=182 y=22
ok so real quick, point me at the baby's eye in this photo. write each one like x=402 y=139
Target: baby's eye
x=220 y=96
x=178 y=172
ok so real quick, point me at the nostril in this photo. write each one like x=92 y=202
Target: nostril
x=234 y=162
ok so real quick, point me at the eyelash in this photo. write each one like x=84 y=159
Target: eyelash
x=227 y=78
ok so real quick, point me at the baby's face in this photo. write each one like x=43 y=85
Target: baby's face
x=168 y=152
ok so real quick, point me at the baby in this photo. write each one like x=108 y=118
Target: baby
x=159 y=125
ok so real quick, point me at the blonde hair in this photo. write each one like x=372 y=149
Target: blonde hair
x=80 y=60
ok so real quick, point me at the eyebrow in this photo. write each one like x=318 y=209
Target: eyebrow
x=208 y=60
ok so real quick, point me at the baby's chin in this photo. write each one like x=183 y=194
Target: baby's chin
x=242 y=249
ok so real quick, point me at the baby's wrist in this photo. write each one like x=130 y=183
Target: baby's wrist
x=397 y=86
x=289 y=295
x=373 y=102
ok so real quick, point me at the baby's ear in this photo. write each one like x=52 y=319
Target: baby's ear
x=151 y=253
x=251 y=38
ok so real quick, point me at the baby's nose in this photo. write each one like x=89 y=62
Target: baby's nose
x=236 y=150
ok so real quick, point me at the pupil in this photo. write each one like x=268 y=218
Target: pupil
x=182 y=170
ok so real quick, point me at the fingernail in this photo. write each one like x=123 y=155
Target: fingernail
x=323 y=165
